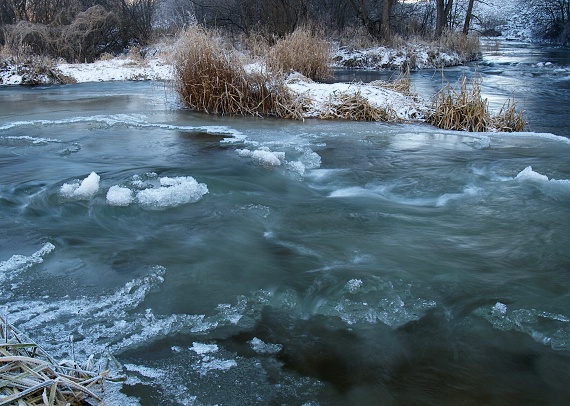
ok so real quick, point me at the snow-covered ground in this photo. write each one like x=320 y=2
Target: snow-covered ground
x=413 y=56
x=319 y=96
x=118 y=69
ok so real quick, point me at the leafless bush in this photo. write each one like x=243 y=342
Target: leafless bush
x=304 y=52
x=356 y=37
x=212 y=80
x=90 y=34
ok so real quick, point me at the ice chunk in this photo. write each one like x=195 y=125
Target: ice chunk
x=353 y=285
x=208 y=365
x=527 y=174
x=260 y=347
x=500 y=309
x=82 y=191
x=263 y=156
x=119 y=196
x=267 y=158
x=200 y=348
x=172 y=192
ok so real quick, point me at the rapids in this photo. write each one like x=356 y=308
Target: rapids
x=241 y=261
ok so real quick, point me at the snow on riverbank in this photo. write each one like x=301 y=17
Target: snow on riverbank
x=319 y=97
x=118 y=69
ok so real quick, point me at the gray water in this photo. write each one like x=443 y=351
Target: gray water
x=244 y=261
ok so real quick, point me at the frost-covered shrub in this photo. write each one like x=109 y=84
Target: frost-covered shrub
x=87 y=36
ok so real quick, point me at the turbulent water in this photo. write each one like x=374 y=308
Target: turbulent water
x=256 y=261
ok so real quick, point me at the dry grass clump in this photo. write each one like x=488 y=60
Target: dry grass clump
x=355 y=107
x=29 y=376
x=402 y=83
x=213 y=80
x=509 y=119
x=467 y=46
x=356 y=37
x=302 y=51
x=465 y=110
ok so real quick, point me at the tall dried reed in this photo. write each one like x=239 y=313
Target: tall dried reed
x=468 y=46
x=402 y=83
x=464 y=109
x=303 y=51
x=213 y=79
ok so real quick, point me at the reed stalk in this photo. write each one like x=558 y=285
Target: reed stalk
x=463 y=108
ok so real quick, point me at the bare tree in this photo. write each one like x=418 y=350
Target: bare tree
x=443 y=9
x=468 y=16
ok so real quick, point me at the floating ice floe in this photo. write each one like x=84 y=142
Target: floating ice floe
x=172 y=192
x=120 y=196
x=263 y=156
x=261 y=347
x=83 y=190
x=528 y=174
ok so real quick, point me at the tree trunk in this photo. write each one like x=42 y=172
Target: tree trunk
x=443 y=9
x=362 y=12
x=386 y=14
x=468 y=17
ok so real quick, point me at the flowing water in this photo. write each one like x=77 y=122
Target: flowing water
x=243 y=261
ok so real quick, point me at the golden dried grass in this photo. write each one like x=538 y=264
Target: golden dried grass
x=213 y=79
x=402 y=83
x=355 y=107
x=464 y=109
x=467 y=46
x=303 y=51
x=509 y=119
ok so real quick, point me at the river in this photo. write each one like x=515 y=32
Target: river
x=243 y=261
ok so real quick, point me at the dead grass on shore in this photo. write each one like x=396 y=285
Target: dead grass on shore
x=402 y=83
x=213 y=80
x=304 y=51
x=463 y=108
x=355 y=107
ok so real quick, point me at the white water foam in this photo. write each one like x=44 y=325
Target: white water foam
x=33 y=140
x=83 y=190
x=385 y=192
x=128 y=120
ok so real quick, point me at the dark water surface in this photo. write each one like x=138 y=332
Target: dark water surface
x=247 y=261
